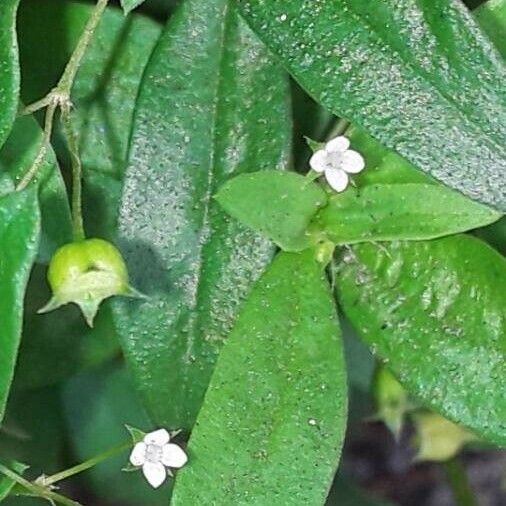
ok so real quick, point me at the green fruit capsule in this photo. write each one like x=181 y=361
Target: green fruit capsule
x=85 y=273
x=391 y=400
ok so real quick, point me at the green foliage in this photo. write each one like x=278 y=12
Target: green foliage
x=435 y=312
x=276 y=405
x=212 y=104
x=6 y=484
x=279 y=205
x=129 y=5
x=369 y=62
x=9 y=68
x=19 y=236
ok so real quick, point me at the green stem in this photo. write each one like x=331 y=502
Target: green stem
x=42 y=149
x=60 y=95
x=49 y=480
x=37 y=490
x=459 y=483
x=77 y=171
x=340 y=127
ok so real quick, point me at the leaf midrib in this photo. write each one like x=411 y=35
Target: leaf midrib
x=195 y=315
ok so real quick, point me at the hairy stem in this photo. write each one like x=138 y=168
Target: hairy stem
x=37 y=490
x=49 y=480
x=60 y=95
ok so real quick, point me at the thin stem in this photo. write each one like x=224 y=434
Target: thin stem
x=77 y=174
x=49 y=480
x=60 y=95
x=69 y=74
x=340 y=127
x=459 y=483
x=42 y=149
x=37 y=490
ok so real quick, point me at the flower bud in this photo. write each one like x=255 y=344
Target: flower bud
x=391 y=400
x=437 y=438
x=85 y=273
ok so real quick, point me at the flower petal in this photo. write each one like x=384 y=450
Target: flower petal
x=159 y=437
x=155 y=473
x=337 y=178
x=138 y=455
x=318 y=161
x=353 y=162
x=174 y=456
x=339 y=144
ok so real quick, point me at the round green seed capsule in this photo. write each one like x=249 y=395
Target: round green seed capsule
x=85 y=273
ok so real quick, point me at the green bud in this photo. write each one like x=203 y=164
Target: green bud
x=85 y=273
x=437 y=438
x=391 y=400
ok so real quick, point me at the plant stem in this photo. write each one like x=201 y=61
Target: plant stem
x=49 y=480
x=340 y=127
x=73 y=147
x=459 y=483
x=60 y=95
x=37 y=490
x=42 y=149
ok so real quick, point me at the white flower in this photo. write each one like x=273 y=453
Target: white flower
x=154 y=454
x=336 y=161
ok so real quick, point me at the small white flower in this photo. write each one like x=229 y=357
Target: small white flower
x=154 y=454
x=336 y=161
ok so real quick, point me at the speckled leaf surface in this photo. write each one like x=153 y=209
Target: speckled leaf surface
x=103 y=94
x=387 y=212
x=419 y=76
x=9 y=67
x=279 y=205
x=272 y=424
x=491 y=16
x=16 y=156
x=435 y=312
x=19 y=237
x=212 y=105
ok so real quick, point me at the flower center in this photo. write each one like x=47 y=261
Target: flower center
x=153 y=453
x=334 y=160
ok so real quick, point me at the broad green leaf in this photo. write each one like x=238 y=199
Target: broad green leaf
x=406 y=72
x=346 y=493
x=212 y=105
x=386 y=212
x=434 y=311
x=16 y=157
x=279 y=205
x=19 y=238
x=103 y=94
x=272 y=424
x=97 y=407
x=129 y=5
x=6 y=484
x=9 y=67
x=491 y=16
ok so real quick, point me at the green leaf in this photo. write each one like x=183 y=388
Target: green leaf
x=9 y=68
x=6 y=484
x=407 y=73
x=97 y=405
x=386 y=212
x=103 y=94
x=16 y=157
x=276 y=405
x=435 y=313
x=279 y=205
x=491 y=16
x=129 y=5
x=212 y=105
x=19 y=238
